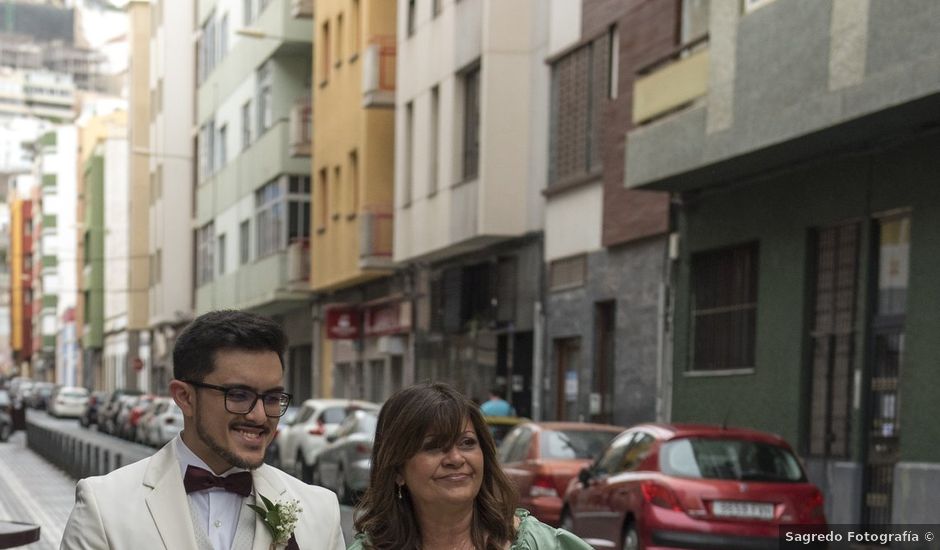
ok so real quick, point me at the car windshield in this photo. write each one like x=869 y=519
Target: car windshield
x=736 y=459
x=73 y=393
x=574 y=443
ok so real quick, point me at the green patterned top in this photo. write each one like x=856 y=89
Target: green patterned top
x=531 y=535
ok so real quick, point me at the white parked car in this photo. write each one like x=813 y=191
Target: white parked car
x=301 y=441
x=163 y=423
x=68 y=401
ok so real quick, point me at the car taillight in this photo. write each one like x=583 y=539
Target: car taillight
x=660 y=495
x=363 y=449
x=812 y=507
x=319 y=429
x=543 y=486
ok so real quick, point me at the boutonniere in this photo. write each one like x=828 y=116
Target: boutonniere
x=280 y=519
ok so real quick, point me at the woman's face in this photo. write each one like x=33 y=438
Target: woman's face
x=438 y=477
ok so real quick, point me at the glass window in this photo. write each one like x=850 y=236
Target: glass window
x=265 y=79
x=471 y=124
x=724 y=315
x=737 y=459
x=610 y=461
x=573 y=444
x=244 y=235
x=246 y=124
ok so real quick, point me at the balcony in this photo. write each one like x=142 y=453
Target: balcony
x=298 y=261
x=671 y=83
x=301 y=9
x=378 y=73
x=301 y=130
x=375 y=239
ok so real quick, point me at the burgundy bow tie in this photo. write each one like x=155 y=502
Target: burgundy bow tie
x=197 y=479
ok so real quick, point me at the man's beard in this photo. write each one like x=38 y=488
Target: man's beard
x=218 y=449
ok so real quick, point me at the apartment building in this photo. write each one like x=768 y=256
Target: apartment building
x=470 y=165
x=605 y=246
x=103 y=161
x=363 y=339
x=798 y=140
x=169 y=159
x=252 y=199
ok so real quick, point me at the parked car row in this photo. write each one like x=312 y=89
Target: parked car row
x=661 y=486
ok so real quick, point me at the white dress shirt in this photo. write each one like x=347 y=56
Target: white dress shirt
x=216 y=508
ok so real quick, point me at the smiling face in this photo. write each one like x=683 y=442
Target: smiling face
x=452 y=477
x=220 y=438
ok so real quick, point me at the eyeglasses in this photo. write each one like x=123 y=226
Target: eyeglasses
x=242 y=401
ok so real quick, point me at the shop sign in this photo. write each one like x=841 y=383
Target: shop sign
x=342 y=323
x=390 y=318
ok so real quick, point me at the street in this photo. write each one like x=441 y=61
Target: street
x=34 y=491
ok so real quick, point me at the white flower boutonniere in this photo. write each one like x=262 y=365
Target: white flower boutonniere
x=280 y=518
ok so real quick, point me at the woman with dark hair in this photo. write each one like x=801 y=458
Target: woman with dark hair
x=436 y=484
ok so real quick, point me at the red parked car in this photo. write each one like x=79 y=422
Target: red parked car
x=690 y=486
x=542 y=457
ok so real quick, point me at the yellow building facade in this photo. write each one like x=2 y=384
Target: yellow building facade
x=353 y=142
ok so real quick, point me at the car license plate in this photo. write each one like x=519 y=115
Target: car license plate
x=738 y=509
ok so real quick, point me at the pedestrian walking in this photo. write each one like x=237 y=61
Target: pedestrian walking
x=208 y=487
x=496 y=405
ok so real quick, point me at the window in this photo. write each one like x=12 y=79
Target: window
x=248 y=15
x=246 y=124
x=244 y=246
x=724 y=302
x=207 y=149
x=298 y=208
x=205 y=241
x=325 y=57
x=323 y=198
x=694 y=22
x=567 y=273
x=434 y=138
x=354 y=31
x=471 y=123
x=223 y=140
x=581 y=81
x=339 y=39
x=352 y=203
x=269 y=219
x=411 y=17
x=221 y=245
x=223 y=37
x=159 y=274
x=264 y=99
x=435 y=8
x=613 y=63
x=337 y=192
x=407 y=160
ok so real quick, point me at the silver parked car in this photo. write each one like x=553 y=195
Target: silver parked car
x=163 y=423
x=343 y=465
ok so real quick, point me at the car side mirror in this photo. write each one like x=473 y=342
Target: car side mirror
x=584 y=476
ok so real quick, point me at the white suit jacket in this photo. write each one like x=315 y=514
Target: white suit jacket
x=143 y=506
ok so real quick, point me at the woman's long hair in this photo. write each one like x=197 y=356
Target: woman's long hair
x=411 y=414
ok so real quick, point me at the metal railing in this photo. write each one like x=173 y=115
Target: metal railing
x=671 y=82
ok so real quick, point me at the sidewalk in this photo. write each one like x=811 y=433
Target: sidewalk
x=34 y=491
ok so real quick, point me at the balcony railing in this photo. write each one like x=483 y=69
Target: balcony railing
x=301 y=9
x=378 y=72
x=301 y=130
x=298 y=260
x=672 y=82
x=375 y=238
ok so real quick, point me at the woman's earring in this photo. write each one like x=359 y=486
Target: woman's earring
x=399 y=492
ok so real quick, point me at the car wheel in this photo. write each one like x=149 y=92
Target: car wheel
x=4 y=432
x=631 y=540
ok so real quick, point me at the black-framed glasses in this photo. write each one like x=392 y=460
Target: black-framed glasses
x=243 y=400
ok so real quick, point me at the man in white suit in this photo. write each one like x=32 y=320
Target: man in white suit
x=195 y=492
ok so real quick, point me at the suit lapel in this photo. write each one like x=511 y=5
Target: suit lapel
x=266 y=483
x=167 y=503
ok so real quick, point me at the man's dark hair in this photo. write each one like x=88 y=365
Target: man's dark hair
x=194 y=352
